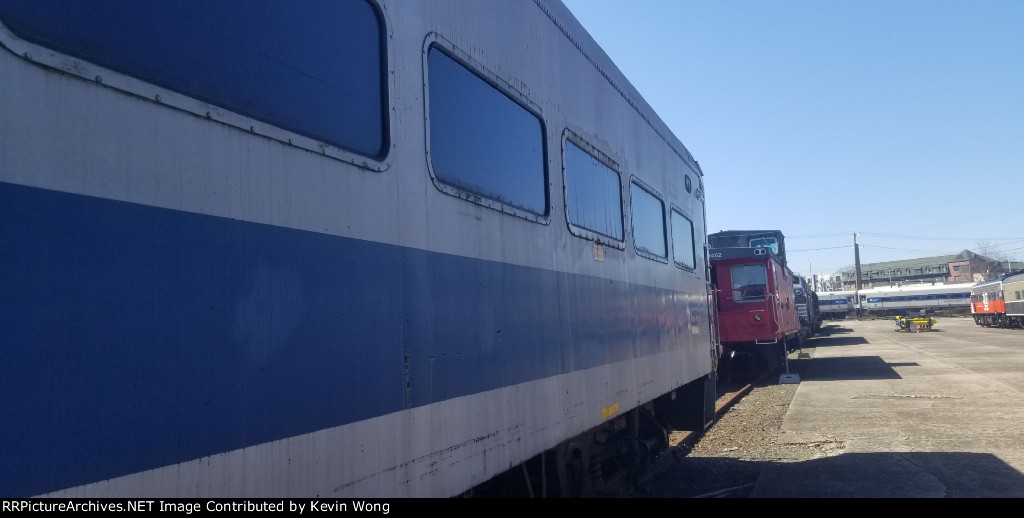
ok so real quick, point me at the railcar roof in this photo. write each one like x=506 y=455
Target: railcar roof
x=1017 y=277
x=567 y=22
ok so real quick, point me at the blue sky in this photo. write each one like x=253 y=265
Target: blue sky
x=901 y=121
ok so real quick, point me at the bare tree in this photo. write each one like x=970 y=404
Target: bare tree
x=988 y=249
x=994 y=259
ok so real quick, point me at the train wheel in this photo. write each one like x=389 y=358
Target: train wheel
x=572 y=471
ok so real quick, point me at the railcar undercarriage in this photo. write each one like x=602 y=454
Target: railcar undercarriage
x=608 y=460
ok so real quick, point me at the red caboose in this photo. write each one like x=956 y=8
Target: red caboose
x=755 y=301
x=988 y=302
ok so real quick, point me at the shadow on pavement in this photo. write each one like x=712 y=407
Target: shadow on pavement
x=892 y=475
x=848 y=475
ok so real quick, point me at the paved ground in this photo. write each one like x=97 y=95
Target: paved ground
x=933 y=414
x=875 y=413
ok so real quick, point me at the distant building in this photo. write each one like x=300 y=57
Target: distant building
x=964 y=267
x=831 y=282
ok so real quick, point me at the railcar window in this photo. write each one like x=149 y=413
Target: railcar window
x=593 y=193
x=766 y=242
x=683 y=251
x=316 y=69
x=648 y=223
x=481 y=140
x=749 y=282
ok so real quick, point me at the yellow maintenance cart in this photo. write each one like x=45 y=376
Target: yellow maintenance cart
x=914 y=324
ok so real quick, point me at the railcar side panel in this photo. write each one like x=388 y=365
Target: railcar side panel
x=1013 y=289
x=756 y=307
x=903 y=300
x=988 y=304
x=204 y=299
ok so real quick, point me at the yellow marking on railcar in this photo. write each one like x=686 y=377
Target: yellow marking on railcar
x=609 y=411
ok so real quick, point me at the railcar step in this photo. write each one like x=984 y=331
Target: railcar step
x=789 y=378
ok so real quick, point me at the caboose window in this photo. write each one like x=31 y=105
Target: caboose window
x=482 y=141
x=749 y=282
x=648 y=223
x=683 y=250
x=315 y=69
x=593 y=195
x=766 y=242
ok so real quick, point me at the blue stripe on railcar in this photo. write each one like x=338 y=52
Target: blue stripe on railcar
x=136 y=337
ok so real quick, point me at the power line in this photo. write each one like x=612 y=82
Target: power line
x=844 y=234
x=814 y=249
x=946 y=238
x=943 y=252
x=994 y=248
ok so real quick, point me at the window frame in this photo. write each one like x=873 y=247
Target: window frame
x=473 y=66
x=734 y=289
x=675 y=209
x=584 y=145
x=104 y=76
x=774 y=243
x=634 y=180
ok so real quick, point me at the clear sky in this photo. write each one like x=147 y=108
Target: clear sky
x=901 y=121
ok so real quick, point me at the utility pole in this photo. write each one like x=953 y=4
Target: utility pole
x=856 y=265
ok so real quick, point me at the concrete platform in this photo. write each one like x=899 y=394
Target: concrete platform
x=933 y=414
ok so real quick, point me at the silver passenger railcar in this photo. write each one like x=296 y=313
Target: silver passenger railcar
x=912 y=299
x=371 y=248
x=835 y=304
